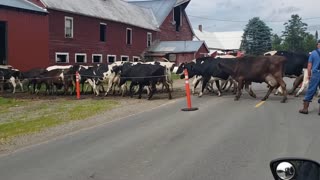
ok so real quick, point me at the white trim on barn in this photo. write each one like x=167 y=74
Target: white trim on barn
x=115 y=58
x=80 y=54
x=66 y=35
x=99 y=55
x=136 y=58
x=124 y=56
x=61 y=53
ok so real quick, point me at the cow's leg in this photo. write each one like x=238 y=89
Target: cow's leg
x=140 y=90
x=12 y=80
x=110 y=85
x=239 y=89
x=20 y=84
x=296 y=84
x=171 y=85
x=303 y=86
x=123 y=89
x=272 y=82
x=249 y=90
x=224 y=84
x=204 y=84
x=284 y=89
x=168 y=90
x=230 y=82
x=235 y=87
x=130 y=90
x=195 y=83
x=218 y=86
x=153 y=88
x=268 y=93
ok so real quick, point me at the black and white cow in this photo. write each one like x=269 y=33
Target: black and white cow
x=30 y=77
x=207 y=68
x=11 y=76
x=293 y=67
x=94 y=75
x=143 y=75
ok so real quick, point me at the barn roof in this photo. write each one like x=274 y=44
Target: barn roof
x=176 y=46
x=160 y=8
x=114 y=10
x=220 y=40
x=22 y=4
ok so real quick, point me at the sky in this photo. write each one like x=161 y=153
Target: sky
x=208 y=12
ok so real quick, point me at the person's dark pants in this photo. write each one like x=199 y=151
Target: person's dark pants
x=313 y=86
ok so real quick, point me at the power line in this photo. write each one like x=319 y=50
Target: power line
x=241 y=21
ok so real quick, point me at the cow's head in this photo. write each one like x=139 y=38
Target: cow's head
x=189 y=67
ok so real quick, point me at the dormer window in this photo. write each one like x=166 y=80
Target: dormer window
x=177 y=17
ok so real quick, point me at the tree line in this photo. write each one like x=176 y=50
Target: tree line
x=258 y=38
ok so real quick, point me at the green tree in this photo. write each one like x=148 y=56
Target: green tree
x=309 y=43
x=316 y=35
x=276 y=42
x=256 y=38
x=294 y=34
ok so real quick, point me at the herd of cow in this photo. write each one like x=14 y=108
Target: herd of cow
x=116 y=75
x=239 y=73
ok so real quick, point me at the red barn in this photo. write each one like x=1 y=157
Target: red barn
x=38 y=33
x=92 y=31
x=23 y=35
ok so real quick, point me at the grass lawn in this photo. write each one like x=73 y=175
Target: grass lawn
x=20 y=117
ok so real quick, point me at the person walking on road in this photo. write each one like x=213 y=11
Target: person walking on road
x=314 y=79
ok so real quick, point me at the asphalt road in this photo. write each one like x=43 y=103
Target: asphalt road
x=224 y=139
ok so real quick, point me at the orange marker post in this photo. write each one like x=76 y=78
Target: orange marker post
x=78 y=85
x=189 y=108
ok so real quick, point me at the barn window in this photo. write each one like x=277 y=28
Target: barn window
x=62 y=57
x=112 y=59
x=129 y=36
x=68 y=27
x=103 y=29
x=136 y=58
x=97 y=58
x=149 y=39
x=177 y=17
x=125 y=58
x=81 y=58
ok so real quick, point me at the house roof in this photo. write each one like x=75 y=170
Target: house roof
x=220 y=40
x=22 y=4
x=114 y=10
x=176 y=46
x=160 y=8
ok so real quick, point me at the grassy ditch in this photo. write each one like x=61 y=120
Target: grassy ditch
x=19 y=117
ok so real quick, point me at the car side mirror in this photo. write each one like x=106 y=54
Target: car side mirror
x=295 y=169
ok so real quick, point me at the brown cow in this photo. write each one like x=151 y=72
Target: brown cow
x=258 y=69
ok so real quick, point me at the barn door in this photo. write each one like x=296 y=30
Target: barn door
x=3 y=43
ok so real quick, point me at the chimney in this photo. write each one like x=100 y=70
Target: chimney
x=200 y=28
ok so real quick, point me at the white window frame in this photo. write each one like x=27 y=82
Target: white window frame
x=62 y=53
x=126 y=57
x=149 y=33
x=105 y=35
x=80 y=54
x=115 y=58
x=127 y=36
x=65 y=29
x=136 y=57
x=100 y=55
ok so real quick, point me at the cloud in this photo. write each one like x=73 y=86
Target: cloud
x=288 y=10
